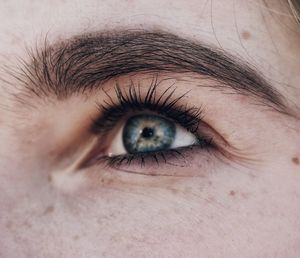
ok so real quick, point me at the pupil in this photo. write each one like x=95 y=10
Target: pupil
x=147 y=132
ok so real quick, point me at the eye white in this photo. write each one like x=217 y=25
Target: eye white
x=183 y=138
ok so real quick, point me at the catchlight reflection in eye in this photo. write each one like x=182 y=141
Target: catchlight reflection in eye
x=150 y=133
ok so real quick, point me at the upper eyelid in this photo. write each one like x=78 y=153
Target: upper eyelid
x=85 y=62
x=190 y=117
x=132 y=99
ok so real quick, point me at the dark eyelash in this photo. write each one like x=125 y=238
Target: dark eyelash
x=165 y=104
x=158 y=157
x=133 y=100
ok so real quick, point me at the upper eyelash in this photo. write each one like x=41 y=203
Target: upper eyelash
x=132 y=100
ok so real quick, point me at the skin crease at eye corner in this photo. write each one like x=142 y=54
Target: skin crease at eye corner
x=232 y=211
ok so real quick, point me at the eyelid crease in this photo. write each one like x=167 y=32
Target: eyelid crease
x=193 y=117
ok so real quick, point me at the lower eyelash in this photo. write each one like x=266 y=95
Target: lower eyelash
x=179 y=163
x=174 y=157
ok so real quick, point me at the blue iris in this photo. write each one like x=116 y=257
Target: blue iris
x=148 y=133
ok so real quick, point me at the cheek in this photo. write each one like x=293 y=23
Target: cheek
x=129 y=213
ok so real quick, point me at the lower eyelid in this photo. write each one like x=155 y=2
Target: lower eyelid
x=183 y=162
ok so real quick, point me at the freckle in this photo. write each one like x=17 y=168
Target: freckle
x=27 y=224
x=48 y=210
x=232 y=193
x=174 y=191
x=9 y=225
x=296 y=160
x=246 y=35
x=75 y=237
x=107 y=181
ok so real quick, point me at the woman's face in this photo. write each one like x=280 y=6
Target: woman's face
x=149 y=129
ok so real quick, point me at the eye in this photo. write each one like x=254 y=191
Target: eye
x=151 y=131
x=144 y=133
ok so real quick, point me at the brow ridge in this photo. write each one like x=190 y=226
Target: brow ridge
x=86 y=61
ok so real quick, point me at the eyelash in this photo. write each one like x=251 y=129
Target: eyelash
x=165 y=104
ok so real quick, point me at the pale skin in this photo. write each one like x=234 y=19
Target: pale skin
x=224 y=209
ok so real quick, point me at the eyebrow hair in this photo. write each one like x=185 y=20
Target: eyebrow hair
x=85 y=62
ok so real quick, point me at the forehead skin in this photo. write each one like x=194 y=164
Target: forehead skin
x=256 y=214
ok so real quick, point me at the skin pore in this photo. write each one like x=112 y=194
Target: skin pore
x=240 y=200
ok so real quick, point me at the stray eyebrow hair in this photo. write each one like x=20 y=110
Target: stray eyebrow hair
x=85 y=62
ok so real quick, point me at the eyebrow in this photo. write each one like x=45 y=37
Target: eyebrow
x=84 y=62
